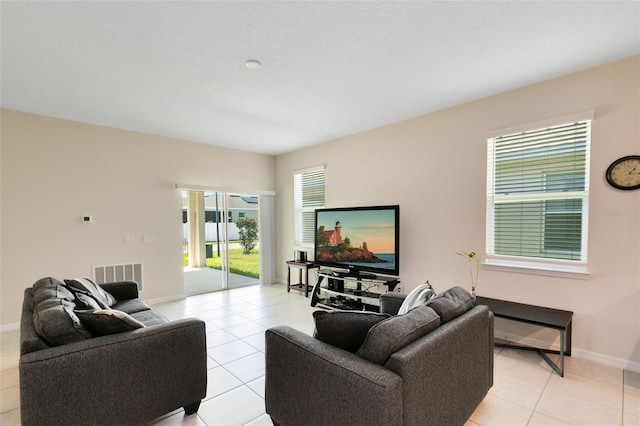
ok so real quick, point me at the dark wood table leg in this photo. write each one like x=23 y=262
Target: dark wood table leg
x=306 y=282
x=567 y=350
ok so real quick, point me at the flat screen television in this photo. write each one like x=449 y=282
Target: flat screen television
x=363 y=240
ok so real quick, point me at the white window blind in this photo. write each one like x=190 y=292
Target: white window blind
x=538 y=193
x=308 y=196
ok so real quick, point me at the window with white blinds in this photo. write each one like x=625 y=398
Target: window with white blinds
x=308 y=195
x=538 y=193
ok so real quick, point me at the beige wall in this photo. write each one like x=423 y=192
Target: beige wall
x=434 y=167
x=54 y=171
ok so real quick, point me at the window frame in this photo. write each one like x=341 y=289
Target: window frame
x=538 y=265
x=302 y=207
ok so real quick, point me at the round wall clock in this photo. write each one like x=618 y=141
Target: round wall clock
x=624 y=173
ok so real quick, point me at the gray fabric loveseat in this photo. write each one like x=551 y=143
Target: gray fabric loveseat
x=88 y=364
x=430 y=366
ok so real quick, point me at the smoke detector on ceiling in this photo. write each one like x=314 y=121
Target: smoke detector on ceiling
x=253 y=64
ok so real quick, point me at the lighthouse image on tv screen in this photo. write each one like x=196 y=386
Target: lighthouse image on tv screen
x=358 y=239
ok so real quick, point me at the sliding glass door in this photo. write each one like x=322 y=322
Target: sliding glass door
x=221 y=245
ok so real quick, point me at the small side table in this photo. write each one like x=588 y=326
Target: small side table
x=302 y=285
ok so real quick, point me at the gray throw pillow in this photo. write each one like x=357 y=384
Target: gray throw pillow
x=85 y=301
x=395 y=333
x=56 y=323
x=345 y=329
x=452 y=303
x=108 y=321
x=48 y=288
x=105 y=299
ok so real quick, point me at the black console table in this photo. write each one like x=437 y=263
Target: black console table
x=537 y=315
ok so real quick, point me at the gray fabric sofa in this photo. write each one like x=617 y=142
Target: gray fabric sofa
x=124 y=378
x=437 y=379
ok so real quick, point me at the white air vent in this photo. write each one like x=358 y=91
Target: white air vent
x=125 y=272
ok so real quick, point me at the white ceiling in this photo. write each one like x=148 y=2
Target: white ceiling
x=177 y=68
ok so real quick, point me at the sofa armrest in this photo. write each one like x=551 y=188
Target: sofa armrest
x=453 y=364
x=126 y=378
x=300 y=368
x=122 y=290
x=390 y=302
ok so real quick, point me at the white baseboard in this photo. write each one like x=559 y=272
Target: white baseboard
x=611 y=361
x=165 y=299
x=623 y=364
x=9 y=327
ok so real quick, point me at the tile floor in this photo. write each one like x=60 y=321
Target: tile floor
x=525 y=391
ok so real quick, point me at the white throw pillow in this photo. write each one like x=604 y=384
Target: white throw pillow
x=418 y=296
x=104 y=298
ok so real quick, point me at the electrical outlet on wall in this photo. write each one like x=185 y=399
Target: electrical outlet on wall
x=129 y=238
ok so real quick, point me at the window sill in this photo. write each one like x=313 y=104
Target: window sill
x=576 y=272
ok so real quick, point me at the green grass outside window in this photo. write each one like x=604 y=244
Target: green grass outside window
x=239 y=263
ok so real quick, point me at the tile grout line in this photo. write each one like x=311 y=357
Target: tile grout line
x=535 y=408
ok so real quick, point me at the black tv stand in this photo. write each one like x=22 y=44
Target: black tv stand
x=351 y=273
x=349 y=291
x=361 y=274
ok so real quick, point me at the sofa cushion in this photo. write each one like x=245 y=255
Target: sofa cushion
x=418 y=296
x=149 y=317
x=345 y=329
x=50 y=288
x=131 y=306
x=392 y=334
x=105 y=299
x=390 y=302
x=108 y=321
x=452 y=303
x=56 y=323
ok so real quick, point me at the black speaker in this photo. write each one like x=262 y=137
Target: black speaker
x=336 y=285
x=300 y=256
